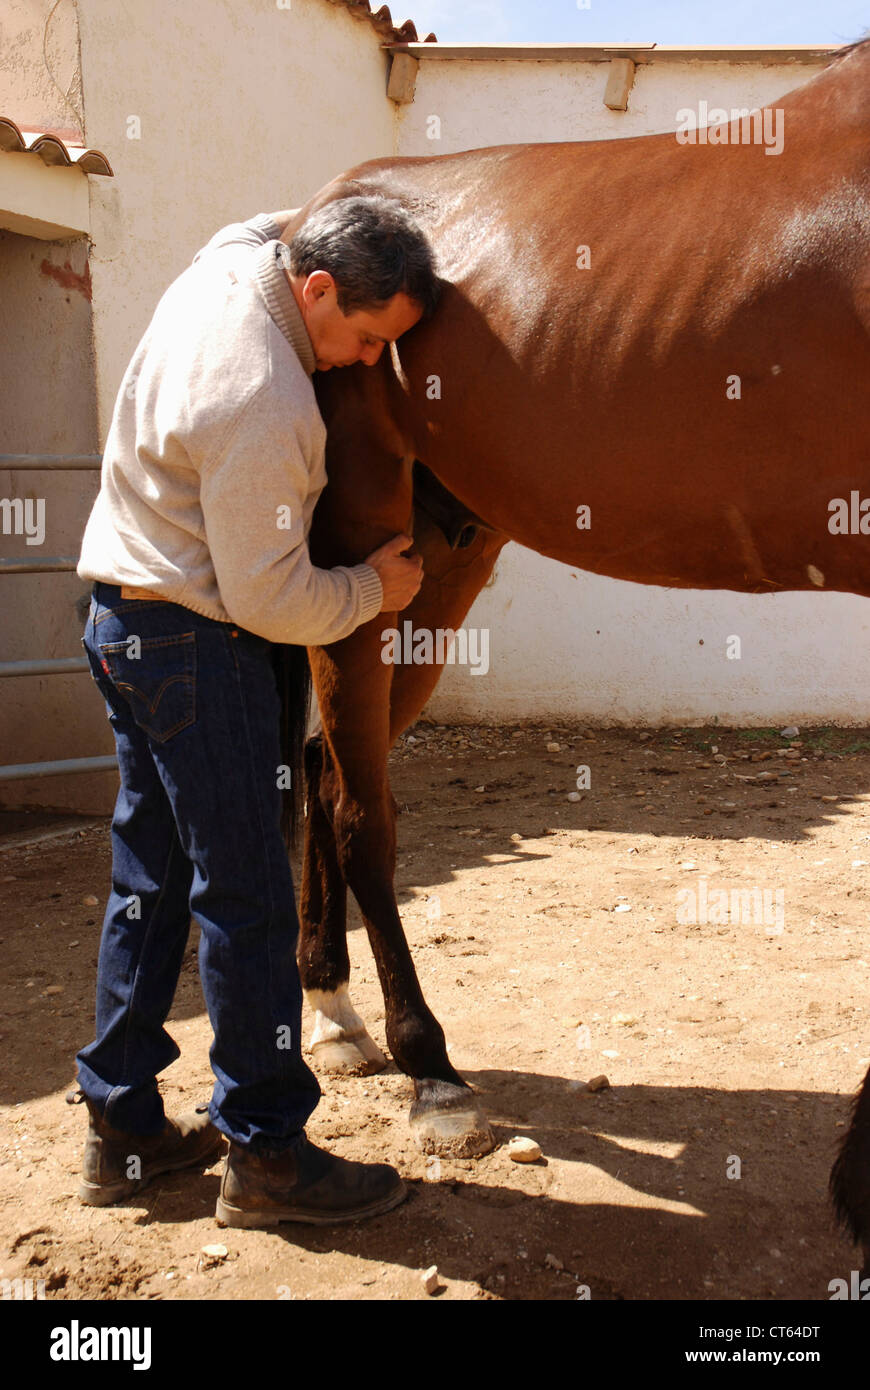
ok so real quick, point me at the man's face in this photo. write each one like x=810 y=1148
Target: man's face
x=340 y=339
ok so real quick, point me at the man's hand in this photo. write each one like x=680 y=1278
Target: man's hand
x=400 y=577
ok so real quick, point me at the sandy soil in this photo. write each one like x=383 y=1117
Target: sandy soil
x=548 y=941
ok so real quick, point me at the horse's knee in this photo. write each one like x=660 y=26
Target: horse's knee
x=365 y=835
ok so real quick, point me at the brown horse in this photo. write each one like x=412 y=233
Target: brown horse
x=672 y=335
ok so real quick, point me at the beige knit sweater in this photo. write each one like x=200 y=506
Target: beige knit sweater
x=215 y=456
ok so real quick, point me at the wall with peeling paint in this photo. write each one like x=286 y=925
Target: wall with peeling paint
x=48 y=406
x=242 y=109
x=235 y=110
x=40 y=78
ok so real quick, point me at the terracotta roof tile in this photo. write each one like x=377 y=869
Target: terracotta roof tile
x=53 y=147
x=382 y=22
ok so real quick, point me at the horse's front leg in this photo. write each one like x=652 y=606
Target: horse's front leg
x=340 y=1042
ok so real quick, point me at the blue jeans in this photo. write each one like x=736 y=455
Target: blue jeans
x=196 y=832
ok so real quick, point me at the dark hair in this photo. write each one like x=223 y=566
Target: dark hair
x=373 y=250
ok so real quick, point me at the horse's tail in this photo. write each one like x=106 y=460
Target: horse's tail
x=850 y=1176
x=293 y=677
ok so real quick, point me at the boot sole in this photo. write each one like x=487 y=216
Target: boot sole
x=239 y=1217
x=108 y=1194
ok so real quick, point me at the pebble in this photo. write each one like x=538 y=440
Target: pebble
x=553 y=748
x=430 y=1280
x=598 y=1083
x=574 y=796
x=90 y=901
x=791 y=731
x=553 y=1262
x=215 y=1252
x=53 y=989
x=627 y=1020
x=523 y=1150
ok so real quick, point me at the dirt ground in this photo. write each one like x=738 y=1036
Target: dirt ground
x=550 y=941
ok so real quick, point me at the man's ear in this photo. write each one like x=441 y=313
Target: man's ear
x=323 y=282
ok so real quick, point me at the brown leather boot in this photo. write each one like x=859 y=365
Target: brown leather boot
x=117 y=1164
x=304 y=1184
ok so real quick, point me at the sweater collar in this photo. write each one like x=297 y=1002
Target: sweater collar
x=275 y=288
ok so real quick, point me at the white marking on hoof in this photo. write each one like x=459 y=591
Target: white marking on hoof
x=340 y=1042
x=453 y=1133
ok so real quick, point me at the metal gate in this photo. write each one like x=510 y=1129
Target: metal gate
x=50 y=666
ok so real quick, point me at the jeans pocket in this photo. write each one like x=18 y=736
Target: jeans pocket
x=157 y=677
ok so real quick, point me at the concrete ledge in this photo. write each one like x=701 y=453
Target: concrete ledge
x=39 y=201
x=770 y=55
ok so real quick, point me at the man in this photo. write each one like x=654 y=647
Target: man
x=197 y=544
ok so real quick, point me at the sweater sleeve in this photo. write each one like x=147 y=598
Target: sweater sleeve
x=252 y=498
x=255 y=232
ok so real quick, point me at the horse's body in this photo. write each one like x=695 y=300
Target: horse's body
x=540 y=387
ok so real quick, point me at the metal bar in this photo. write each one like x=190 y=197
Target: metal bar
x=51 y=666
x=13 y=771
x=50 y=565
x=23 y=462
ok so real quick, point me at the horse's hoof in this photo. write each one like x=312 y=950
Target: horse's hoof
x=354 y=1055
x=340 y=1041
x=446 y=1120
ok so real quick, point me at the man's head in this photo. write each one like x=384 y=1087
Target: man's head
x=362 y=273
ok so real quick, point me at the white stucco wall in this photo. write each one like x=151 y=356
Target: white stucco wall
x=505 y=101
x=564 y=643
